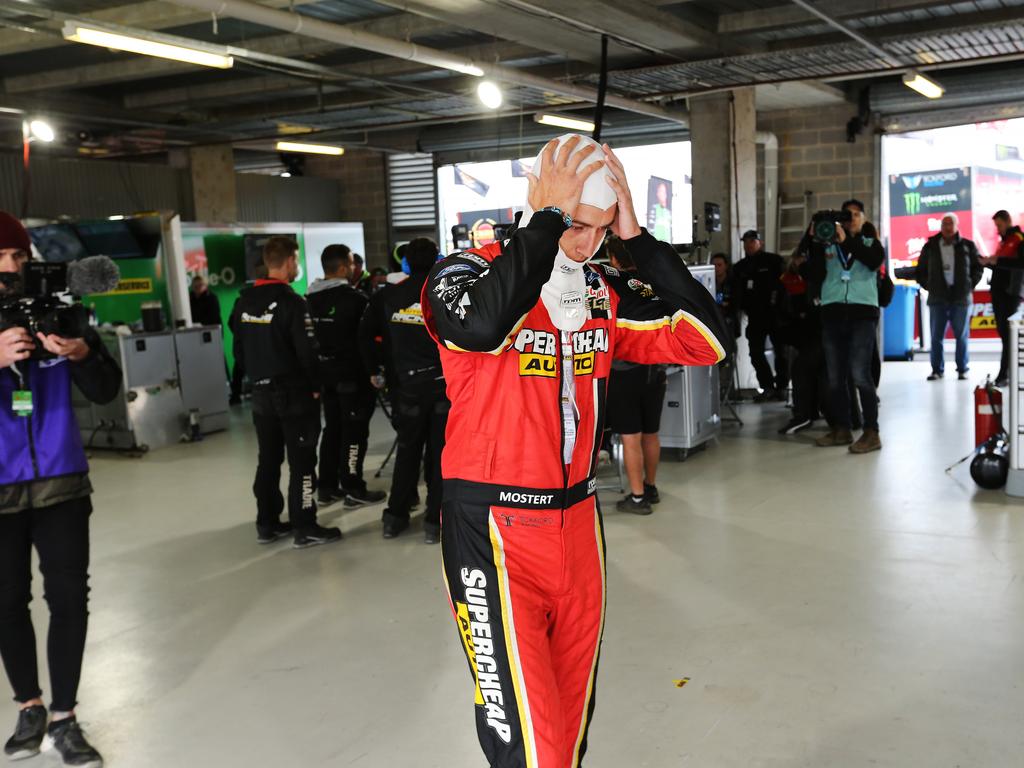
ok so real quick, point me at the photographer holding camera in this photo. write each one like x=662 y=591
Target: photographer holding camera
x=44 y=502
x=845 y=257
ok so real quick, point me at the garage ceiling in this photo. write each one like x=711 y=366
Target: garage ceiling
x=660 y=52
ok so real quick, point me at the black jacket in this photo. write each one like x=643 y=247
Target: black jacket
x=756 y=284
x=205 y=308
x=967 y=271
x=336 y=308
x=1007 y=277
x=392 y=334
x=274 y=339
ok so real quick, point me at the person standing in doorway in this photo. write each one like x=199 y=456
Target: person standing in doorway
x=948 y=269
x=1005 y=283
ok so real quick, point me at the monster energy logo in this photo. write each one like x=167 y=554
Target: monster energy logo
x=912 y=202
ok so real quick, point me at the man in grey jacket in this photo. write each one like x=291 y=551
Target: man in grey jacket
x=949 y=269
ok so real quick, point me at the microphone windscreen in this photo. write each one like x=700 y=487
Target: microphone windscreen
x=93 y=274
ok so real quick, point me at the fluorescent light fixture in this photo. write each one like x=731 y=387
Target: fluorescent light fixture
x=564 y=121
x=145 y=45
x=115 y=218
x=923 y=85
x=309 y=149
x=285 y=175
x=489 y=94
x=466 y=69
x=42 y=130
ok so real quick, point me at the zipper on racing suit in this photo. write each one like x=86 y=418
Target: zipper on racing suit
x=567 y=410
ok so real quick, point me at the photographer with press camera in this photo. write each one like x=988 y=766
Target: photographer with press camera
x=845 y=257
x=45 y=345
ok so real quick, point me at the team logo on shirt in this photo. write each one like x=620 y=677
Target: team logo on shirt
x=640 y=287
x=411 y=315
x=538 y=351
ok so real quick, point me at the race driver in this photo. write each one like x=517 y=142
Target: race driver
x=527 y=332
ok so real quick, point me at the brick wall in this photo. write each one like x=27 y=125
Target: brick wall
x=815 y=157
x=362 y=175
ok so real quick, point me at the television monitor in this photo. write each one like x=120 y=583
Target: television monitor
x=57 y=242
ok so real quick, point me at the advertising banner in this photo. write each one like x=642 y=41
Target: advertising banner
x=917 y=203
x=659 y=208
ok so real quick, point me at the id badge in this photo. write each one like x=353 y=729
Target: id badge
x=21 y=402
x=845 y=275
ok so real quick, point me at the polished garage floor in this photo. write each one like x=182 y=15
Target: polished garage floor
x=829 y=610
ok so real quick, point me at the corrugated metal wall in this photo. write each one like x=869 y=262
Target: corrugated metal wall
x=271 y=198
x=93 y=188
x=97 y=188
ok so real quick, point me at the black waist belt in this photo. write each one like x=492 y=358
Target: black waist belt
x=487 y=495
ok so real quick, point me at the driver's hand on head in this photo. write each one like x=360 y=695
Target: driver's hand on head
x=560 y=184
x=624 y=226
x=75 y=350
x=15 y=345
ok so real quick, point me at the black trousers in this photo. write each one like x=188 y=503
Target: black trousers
x=285 y=421
x=60 y=534
x=810 y=380
x=420 y=417
x=348 y=409
x=758 y=332
x=1003 y=306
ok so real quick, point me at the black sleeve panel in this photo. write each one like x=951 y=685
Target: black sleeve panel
x=474 y=307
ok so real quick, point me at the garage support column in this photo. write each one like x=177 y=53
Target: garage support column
x=213 y=183
x=723 y=129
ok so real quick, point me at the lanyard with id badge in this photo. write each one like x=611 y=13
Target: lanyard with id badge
x=847 y=264
x=21 y=398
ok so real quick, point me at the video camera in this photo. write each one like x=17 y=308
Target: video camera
x=40 y=298
x=825 y=223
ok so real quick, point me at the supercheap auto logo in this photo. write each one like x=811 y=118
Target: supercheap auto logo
x=538 y=351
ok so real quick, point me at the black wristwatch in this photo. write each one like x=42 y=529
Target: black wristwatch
x=566 y=218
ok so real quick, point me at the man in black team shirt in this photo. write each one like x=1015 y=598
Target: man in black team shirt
x=274 y=341
x=394 y=338
x=348 y=397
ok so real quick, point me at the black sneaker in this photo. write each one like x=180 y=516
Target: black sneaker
x=651 y=494
x=28 y=733
x=66 y=738
x=962 y=376
x=327 y=496
x=393 y=526
x=795 y=425
x=765 y=396
x=431 y=533
x=634 y=505
x=314 y=536
x=267 y=534
x=934 y=376
x=361 y=498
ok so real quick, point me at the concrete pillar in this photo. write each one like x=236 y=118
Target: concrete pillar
x=213 y=183
x=723 y=129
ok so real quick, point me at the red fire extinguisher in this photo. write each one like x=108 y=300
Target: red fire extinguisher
x=988 y=412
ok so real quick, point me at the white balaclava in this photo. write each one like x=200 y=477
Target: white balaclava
x=564 y=294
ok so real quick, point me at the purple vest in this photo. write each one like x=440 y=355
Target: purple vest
x=46 y=444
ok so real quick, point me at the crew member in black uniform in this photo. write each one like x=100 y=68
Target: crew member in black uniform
x=393 y=337
x=275 y=343
x=348 y=398
x=757 y=287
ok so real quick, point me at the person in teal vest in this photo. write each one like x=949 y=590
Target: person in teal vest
x=847 y=270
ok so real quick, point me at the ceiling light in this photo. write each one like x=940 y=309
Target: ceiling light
x=564 y=121
x=146 y=45
x=41 y=130
x=923 y=85
x=310 y=149
x=489 y=94
x=285 y=175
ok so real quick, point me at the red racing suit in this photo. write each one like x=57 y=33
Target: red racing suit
x=522 y=539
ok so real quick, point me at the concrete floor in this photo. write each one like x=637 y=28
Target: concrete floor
x=829 y=610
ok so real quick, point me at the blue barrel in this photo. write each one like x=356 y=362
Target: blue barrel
x=898 y=334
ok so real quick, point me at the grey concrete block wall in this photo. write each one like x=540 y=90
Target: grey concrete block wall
x=815 y=157
x=362 y=174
